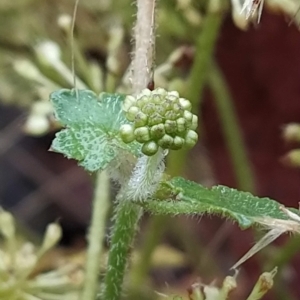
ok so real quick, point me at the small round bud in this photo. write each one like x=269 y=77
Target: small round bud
x=161 y=109
x=146 y=92
x=156 y=99
x=170 y=126
x=172 y=98
x=177 y=108
x=185 y=104
x=171 y=115
x=191 y=138
x=161 y=92
x=132 y=112
x=181 y=125
x=155 y=119
x=157 y=131
x=142 y=101
x=173 y=93
x=149 y=108
x=194 y=124
x=142 y=134
x=165 y=142
x=128 y=102
x=188 y=116
x=177 y=144
x=140 y=120
x=168 y=105
x=150 y=148
x=127 y=133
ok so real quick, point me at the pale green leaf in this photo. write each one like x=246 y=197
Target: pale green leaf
x=92 y=126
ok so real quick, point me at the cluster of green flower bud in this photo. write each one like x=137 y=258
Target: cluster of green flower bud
x=159 y=119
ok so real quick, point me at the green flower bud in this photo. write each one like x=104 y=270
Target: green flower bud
x=132 y=112
x=155 y=119
x=150 y=148
x=168 y=105
x=185 y=104
x=128 y=102
x=140 y=120
x=165 y=142
x=170 y=126
x=177 y=108
x=172 y=98
x=173 y=93
x=178 y=143
x=188 y=116
x=157 y=131
x=127 y=133
x=156 y=99
x=160 y=116
x=146 y=92
x=181 y=125
x=194 y=124
x=161 y=109
x=142 y=134
x=142 y=101
x=191 y=138
x=171 y=115
x=149 y=108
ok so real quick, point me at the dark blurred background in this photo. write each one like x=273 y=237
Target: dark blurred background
x=262 y=68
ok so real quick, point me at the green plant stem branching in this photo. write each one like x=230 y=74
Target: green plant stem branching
x=142 y=184
x=96 y=236
x=126 y=219
x=231 y=129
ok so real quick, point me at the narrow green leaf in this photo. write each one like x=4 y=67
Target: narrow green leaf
x=187 y=197
x=92 y=126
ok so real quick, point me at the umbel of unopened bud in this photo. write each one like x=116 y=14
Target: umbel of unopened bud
x=159 y=119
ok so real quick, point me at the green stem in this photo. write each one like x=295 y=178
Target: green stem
x=204 y=48
x=126 y=219
x=96 y=236
x=205 y=45
x=231 y=129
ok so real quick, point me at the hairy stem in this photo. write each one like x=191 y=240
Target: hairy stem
x=232 y=133
x=142 y=63
x=124 y=230
x=96 y=236
x=127 y=212
x=142 y=185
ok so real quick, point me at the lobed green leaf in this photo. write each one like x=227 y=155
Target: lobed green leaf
x=92 y=128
